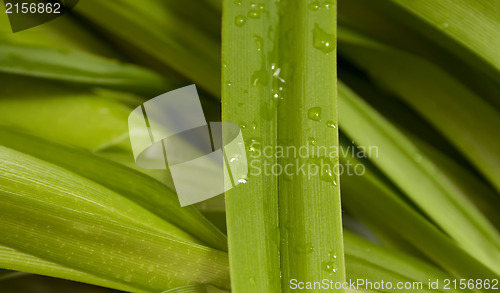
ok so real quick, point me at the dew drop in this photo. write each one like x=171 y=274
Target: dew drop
x=254 y=14
x=445 y=25
x=304 y=249
x=240 y=20
x=236 y=2
x=311 y=141
x=314 y=114
x=242 y=180
x=330 y=124
x=322 y=40
x=329 y=4
x=252 y=144
x=328 y=176
x=314 y=5
x=329 y=267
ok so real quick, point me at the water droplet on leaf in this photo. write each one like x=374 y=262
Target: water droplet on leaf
x=322 y=40
x=304 y=249
x=254 y=14
x=330 y=124
x=240 y=20
x=314 y=114
x=314 y=5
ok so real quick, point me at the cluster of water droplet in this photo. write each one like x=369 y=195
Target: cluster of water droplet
x=330 y=266
x=256 y=9
x=317 y=5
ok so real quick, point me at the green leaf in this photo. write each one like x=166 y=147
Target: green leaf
x=372 y=199
x=156 y=31
x=138 y=258
x=57 y=186
x=251 y=208
x=63 y=50
x=374 y=263
x=16 y=260
x=465 y=28
x=79 y=67
x=279 y=83
x=476 y=189
x=90 y=119
x=414 y=174
x=144 y=191
x=452 y=166
x=372 y=19
x=429 y=90
x=63 y=33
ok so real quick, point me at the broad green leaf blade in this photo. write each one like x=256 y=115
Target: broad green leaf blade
x=468 y=122
x=151 y=28
x=63 y=33
x=79 y=67
x=398 y=113
x=451 y=164
x=372 y=19
x=415 y=175
x=29 y=179
x=476 y=189
x=63 y=49
x=144 y=191
x=377 y=203
x=279 y=84
x=251 y=207
x=108 y=249
x=89 y=119
x=16 y=260
x=309 y=202
x=469 y=29
x=367 y=261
